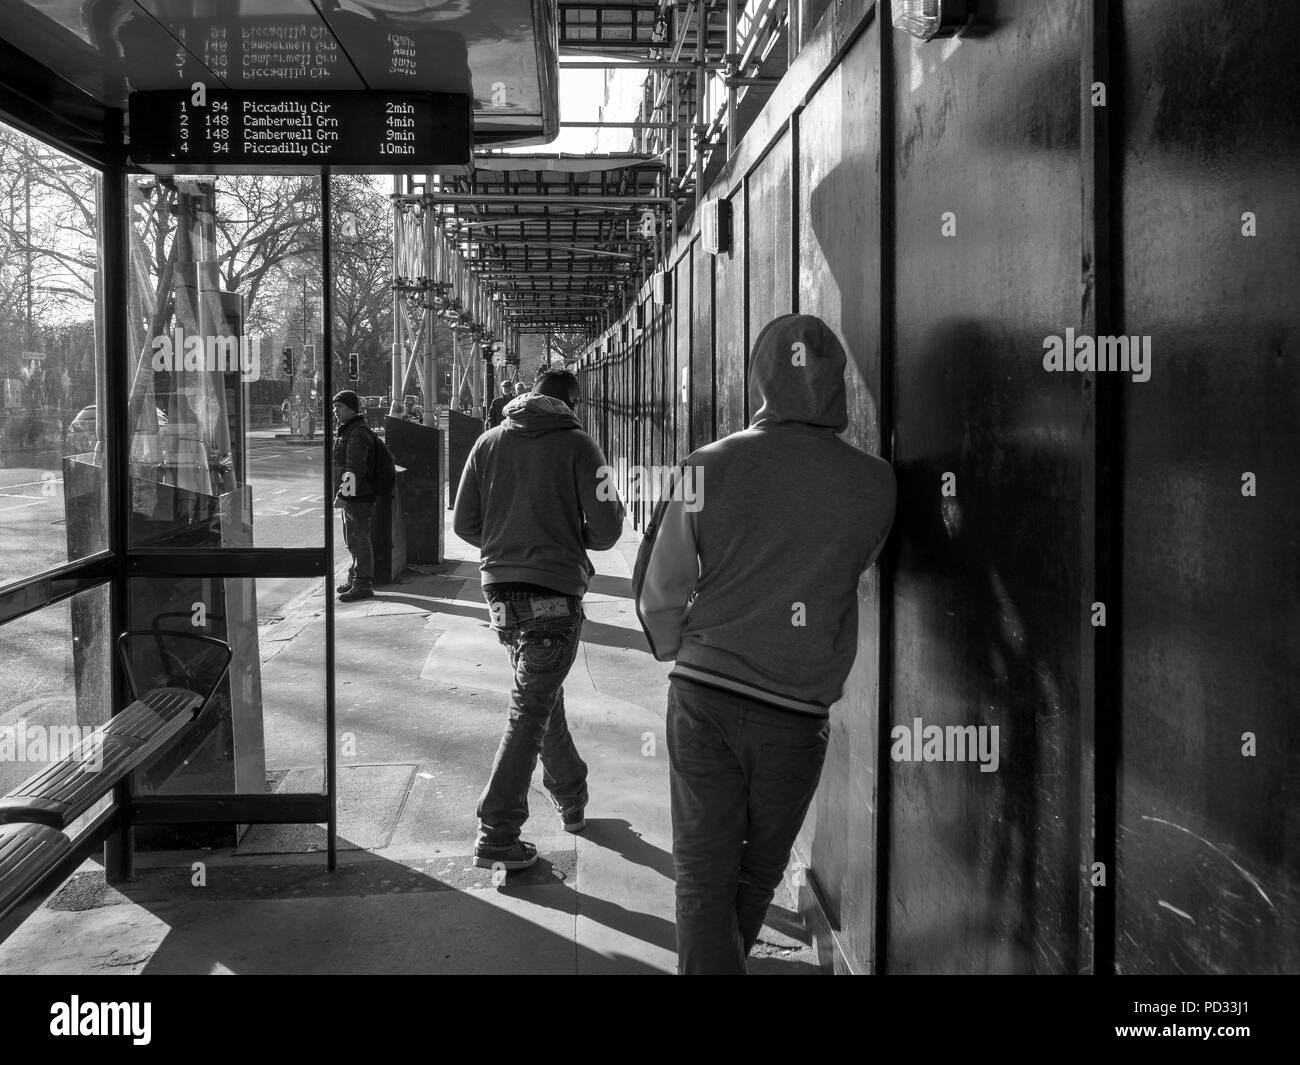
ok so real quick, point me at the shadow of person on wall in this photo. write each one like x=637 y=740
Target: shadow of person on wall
x=986 y=581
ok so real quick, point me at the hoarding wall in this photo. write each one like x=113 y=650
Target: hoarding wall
x=1098 y=563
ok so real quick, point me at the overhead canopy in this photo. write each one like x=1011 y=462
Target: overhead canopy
x=560 y=162
x=555 y=237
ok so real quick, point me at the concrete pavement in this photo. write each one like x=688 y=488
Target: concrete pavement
x=421 y=698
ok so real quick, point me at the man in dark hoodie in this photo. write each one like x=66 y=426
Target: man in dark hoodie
x=748 y=577
x=528 y=500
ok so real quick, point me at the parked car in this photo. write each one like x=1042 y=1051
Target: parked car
x=82 y=431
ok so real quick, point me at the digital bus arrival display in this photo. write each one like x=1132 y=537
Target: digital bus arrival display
x=221 y=131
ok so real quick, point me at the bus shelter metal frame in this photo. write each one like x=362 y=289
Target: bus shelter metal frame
x=36 y=101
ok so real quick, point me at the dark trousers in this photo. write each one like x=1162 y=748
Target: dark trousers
x=541 y=634
x=742 y=776
x=358 y=516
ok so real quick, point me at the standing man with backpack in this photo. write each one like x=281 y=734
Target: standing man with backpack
x=363 y=472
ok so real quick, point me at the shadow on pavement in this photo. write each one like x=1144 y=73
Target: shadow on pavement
x=643 y=926
x=379 y=916
x=601 y=584
x=613 y=636
x=618 y=836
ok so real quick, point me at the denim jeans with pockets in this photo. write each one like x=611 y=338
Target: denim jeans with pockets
x=541 y=635
x=358 y=517
x=742 y=776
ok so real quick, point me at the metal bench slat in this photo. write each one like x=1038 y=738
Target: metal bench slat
x=59 y=794
x=148 y=713
x=66 y=790
x=27 y=853
x=168 y=701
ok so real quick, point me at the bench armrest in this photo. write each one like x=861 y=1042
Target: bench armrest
x=217 y=646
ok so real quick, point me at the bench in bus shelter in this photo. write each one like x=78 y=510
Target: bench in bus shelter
x=36 y=854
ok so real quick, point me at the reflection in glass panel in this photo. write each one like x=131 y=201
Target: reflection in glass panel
x=264 y=730
x=56 y=686
x=53 y=508
x=226 y=409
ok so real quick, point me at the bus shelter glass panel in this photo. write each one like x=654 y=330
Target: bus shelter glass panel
x=226 y=415
x=53 y=505
x=264 y=730
x=55 y=689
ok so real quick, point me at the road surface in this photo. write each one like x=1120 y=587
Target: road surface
x=288 y=492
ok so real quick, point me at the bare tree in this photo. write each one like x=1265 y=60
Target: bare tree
x=362 y=272
x=263 y=241
x=263 y=224
x=568 y=346
x=48 y=276
x=48 y=229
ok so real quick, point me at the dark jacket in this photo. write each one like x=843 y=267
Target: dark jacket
x=496 y=411
x=529 y=498
x=354 y=453
x=750 y=576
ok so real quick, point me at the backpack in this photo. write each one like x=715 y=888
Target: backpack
x=383 y=471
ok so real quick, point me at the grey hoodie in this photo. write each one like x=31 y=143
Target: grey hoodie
x=528 y=498
x=749 y=576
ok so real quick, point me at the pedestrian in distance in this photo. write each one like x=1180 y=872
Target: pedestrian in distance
x=748 y=579
x=529 y=501
x=495 y=410
x=354 y=493
x=521 y=389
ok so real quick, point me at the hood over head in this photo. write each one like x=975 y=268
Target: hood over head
x=533 y=415
x=796 y=374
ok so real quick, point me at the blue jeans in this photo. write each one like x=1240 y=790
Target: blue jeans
x=541 y=635
x=742 y=776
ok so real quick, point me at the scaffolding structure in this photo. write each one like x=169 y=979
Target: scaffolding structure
x=436 y=293
x=519 y=244
x=707 y=59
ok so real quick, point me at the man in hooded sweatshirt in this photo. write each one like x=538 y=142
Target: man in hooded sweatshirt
x=529 y=501
x=748 y=578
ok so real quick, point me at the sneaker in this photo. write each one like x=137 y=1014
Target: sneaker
x=354 y=593
x=519 y=856
x=344 y=588
x=575 y=820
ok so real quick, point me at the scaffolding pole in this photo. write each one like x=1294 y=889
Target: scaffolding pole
x=398 y=365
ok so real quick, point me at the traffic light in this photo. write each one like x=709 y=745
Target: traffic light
x=288 y=362
x=354 y=366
